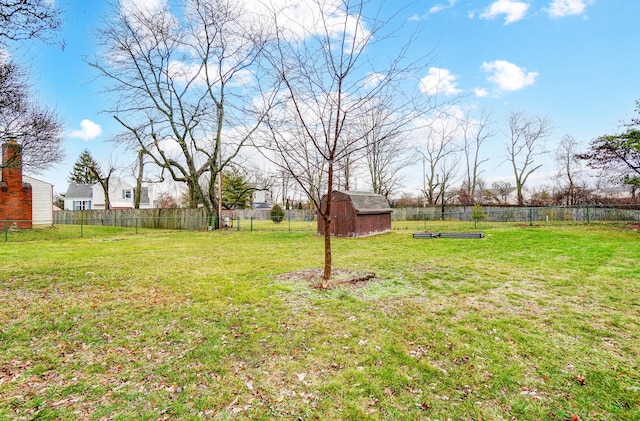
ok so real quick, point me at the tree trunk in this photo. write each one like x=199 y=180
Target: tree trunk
x=327 y=223
x=327 y=248
x=136 y=200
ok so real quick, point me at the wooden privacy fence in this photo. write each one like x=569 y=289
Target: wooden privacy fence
x=189 y=219
x=196 y=219
x=581 y=213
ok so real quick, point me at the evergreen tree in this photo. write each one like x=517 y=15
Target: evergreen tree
x=86 y=170
x=236 y=190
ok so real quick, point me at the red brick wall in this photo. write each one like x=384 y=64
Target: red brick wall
x=15 y=197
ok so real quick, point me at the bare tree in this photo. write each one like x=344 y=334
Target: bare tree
x=86 y=170
x=329 y=83
x=475 y=133
x=184 y=87
x=568 y=169
x=446 y=177
x=386 y=151
x=439 y=151
x=502 y=189
x=38 y=129
x=104 y=177
x=28 y=19
x=527 y=135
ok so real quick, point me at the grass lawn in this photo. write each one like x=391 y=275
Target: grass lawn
x=529 y=323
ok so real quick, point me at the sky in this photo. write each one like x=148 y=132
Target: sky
x=575 y=62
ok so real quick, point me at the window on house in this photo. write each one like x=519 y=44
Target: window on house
x=126 y=193
x=82 y=205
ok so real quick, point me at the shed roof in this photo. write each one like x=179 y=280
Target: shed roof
x=76 y=190
x=366 y=202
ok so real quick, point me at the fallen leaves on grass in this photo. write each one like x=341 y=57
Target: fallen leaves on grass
x=580 y=379
x=338 y=277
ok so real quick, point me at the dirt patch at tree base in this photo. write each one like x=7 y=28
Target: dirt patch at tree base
x=339 y=277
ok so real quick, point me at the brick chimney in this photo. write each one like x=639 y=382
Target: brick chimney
x=16 y=198
x=12 y=164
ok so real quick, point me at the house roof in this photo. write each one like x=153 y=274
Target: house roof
x=366 y=202
x=28 y=179
x=76 y=190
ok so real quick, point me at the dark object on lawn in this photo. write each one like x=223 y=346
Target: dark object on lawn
x=448 y=235
x=357 y=214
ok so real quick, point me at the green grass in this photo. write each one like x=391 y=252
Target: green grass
x=529 y=323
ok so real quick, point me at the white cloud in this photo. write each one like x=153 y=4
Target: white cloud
x=374 y=79
x=508 y=76
x=514 y=10
x=150 y=6
x=302 y=18
x=560 y=8
x=439 y=81
x=440 y=7
x=5 y=56
x=481 y=92
x=88 y=130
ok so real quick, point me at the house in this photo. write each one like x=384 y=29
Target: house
x=261 y=199
x=15 y=196
x=121 y=195
x=91 y=197
x=78 y=197
x=505 y=195
x=42 y=201
x=357 y=214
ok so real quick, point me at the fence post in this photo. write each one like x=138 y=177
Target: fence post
x=530 y=216
x=136 y=224
x=6 y=231
x=588 y=218
x=251 y=223
x=238 y=223
x=81 y=223
x=289 y=221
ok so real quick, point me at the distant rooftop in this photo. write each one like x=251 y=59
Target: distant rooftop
x=76 y=190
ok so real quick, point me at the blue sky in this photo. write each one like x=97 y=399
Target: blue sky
x=573 y=61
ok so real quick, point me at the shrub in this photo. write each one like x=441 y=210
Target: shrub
x=276 y=214
x=477 y=214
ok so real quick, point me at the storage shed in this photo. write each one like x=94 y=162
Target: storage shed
x=357 y=214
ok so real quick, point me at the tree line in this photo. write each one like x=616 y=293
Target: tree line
x=196 y=87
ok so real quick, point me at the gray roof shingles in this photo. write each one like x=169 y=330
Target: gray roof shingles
x=76 y=190
x=365 y=202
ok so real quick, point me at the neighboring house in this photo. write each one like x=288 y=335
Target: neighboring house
x=41 y=202
x=506 y=196
x=121 y=196
x=616 y=193
x=261 y=199
x=78 y=197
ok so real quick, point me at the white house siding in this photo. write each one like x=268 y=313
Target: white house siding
x=42 y=201
x=121 y=195
x=77 y=203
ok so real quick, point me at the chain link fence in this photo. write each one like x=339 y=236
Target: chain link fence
x=135 y=221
